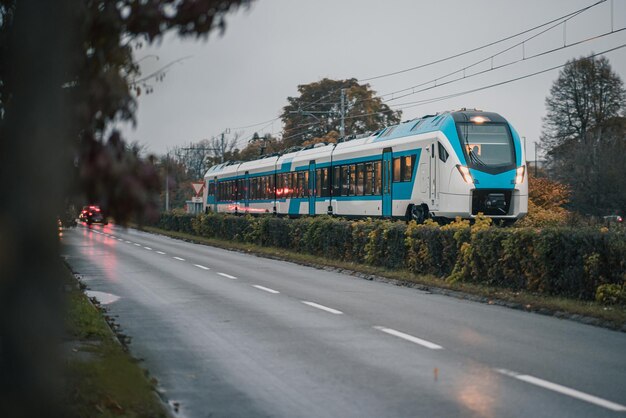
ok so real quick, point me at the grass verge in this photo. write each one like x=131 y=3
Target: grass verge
x=102 y=379
x=613 y=317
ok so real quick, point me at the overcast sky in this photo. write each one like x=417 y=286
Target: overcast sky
x=245 y=76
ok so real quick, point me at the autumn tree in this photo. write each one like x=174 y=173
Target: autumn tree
x=586 y=98
x=67 y=73
x=546 y=203
x=317 y=111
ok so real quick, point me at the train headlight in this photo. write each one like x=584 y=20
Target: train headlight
x=465 y=173
x=519 y=174
x=479 y=119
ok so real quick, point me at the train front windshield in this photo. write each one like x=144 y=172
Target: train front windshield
x=488 y=146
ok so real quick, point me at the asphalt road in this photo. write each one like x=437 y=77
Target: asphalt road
x=229 y=334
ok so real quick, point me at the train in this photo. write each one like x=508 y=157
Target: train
x=451 y=164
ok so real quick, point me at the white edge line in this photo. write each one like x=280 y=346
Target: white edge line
x=202 y=267
x=227 y=275
x=265 y=289
x=322 y=307
x=411 y=338
x=160 y=252
x=178 y=258
x=564 y=390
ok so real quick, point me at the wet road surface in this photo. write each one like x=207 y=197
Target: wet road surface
x=229 y=334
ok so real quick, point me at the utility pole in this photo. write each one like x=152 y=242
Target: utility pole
x=536 y=159
x=222 y=147
x=167 y=183
x=342 y=129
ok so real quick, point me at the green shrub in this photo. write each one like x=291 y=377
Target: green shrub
x=176 y=222
x=557 y=261
x=611 y=294
x=386 y=245
x=361 y=230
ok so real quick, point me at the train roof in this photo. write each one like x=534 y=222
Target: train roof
x=424 y=124
x=432 y=123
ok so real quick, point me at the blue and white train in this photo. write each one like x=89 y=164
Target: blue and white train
x=439 y=166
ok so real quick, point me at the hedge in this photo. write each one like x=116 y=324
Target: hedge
x=557 y=261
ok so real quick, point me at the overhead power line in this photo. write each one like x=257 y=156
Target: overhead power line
x=560 y=20
x=464 y=76
x=436 y=99
x=469 y=51
x=401 y=106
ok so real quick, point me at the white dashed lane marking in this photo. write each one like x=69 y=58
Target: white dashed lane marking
x=160 y=252
x=564 y=390
x=178 y=258
x=411 y=338
x=148 y=248
x=202 y=267
x=228 y=276
x=265 y=289
x=322 y=307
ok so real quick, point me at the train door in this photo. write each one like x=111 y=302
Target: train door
x=434 y=177
x=311 y=187
x=386 y=183
x=245 y=192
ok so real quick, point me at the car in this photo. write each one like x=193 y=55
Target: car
x=92 y=214
x=609 y=219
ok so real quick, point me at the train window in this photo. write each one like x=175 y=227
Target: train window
x=336 y=181
x=325 y=180
x=407 y=167
x=378 y=177
x=443 y=154
x=368 y=179
x=211 y=191
x=397 y=169
x=280 y=185
x=345 y=180
x=318 y=182
x=305 y=184
x=291 y=180
x=352 y=180
x=360 y=177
